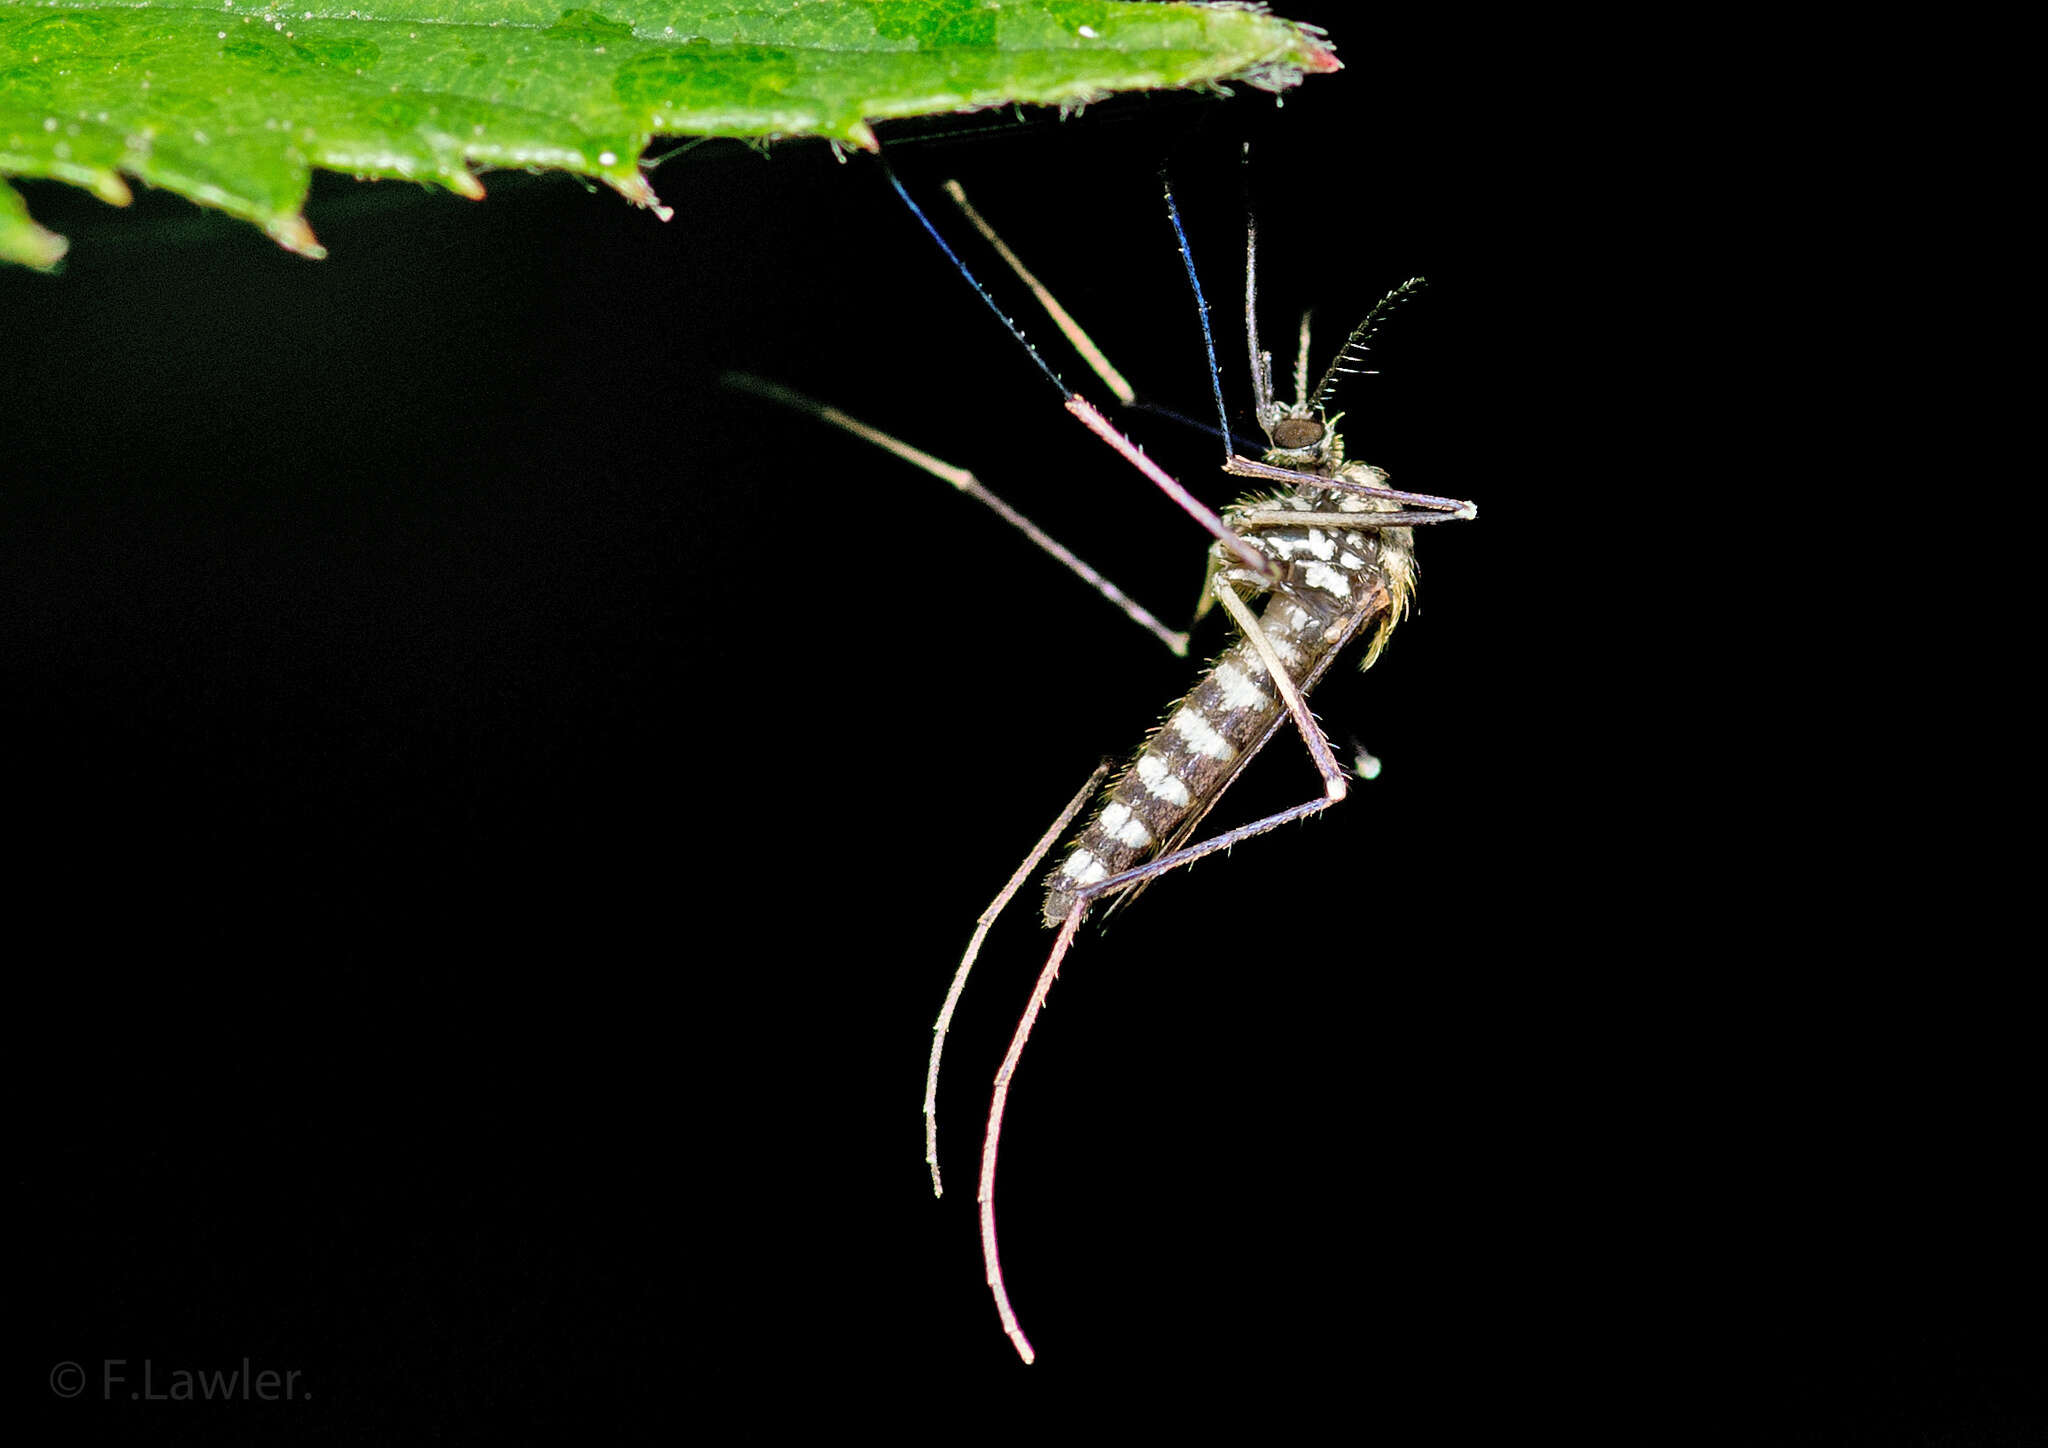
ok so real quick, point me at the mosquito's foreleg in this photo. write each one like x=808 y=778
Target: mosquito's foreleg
x=981 y=929
x=1261 y=518
x=1243 y=467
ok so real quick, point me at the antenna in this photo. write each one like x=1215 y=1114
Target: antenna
x=1353 y=349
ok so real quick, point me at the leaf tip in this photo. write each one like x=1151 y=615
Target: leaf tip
x=637 y=189
x=1319 y=59
x=32 y=246
x=293 y=234
x=108 y=186
x=21 y=239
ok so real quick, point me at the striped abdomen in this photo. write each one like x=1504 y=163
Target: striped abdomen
x=1332 y=582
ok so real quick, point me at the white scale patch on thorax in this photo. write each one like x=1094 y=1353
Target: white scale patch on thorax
x=1328 y=579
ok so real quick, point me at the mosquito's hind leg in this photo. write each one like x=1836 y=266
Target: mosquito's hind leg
x=1336 y=783
x=981 y=930
x=985 y=1195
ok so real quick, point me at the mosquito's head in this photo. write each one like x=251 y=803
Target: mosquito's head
x=1297 y=437
x=1300 y=434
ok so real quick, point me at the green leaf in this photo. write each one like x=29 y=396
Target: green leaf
x=233 y=102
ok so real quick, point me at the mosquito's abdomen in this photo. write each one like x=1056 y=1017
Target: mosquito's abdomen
x=1334 y=578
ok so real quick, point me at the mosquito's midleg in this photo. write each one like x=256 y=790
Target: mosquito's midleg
x=981 y=929
x=972 y=486
x=1174 y=639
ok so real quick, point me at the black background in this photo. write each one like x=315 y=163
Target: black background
x=497 y=812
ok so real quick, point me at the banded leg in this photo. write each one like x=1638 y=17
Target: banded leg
x=1336 y=785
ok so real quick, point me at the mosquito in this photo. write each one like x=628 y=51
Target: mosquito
x=1331 y=549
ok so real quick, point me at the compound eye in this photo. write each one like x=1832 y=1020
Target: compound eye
x=1294 y=433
